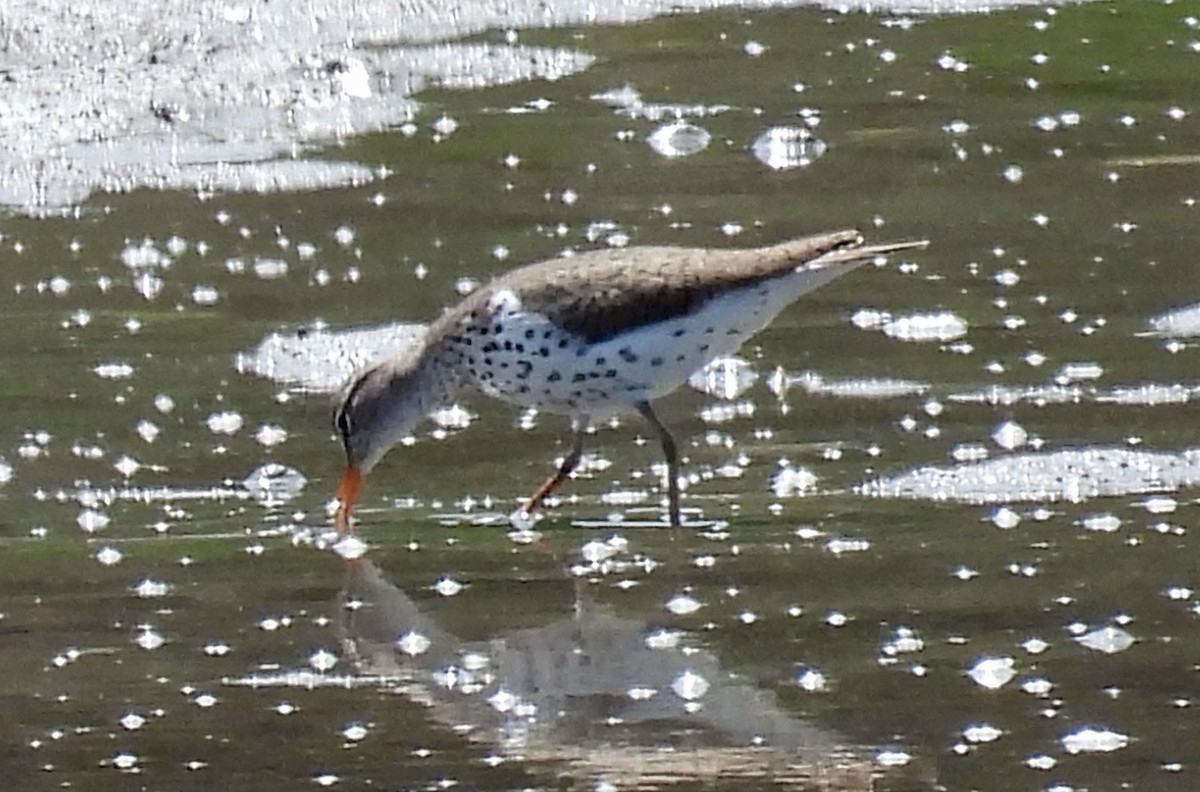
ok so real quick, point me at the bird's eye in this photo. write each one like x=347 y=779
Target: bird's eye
x=342 y=422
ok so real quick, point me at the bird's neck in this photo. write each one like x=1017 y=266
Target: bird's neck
x=439 y=377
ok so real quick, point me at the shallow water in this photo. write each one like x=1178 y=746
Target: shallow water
x=947 y=504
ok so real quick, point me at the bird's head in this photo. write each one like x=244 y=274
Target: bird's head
x=373 y=412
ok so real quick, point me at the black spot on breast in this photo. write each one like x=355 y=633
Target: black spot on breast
x=704 y=347
x=562 y=344
x=555 y=376
x=656 y=361
x=710 y=331
x=504 y=364
x=546 y=335
x=508 y=346
x=680 y=358
x=578 y=378
x=610 y=374
x=600 y=361
x=627 y=355
x=520 y=348
x=523 y=389
x=490 y=346
x=487 y=361
x=733 y=331
x=544 y=351
x=497 y=328
x=679 y=333
x=529 y=335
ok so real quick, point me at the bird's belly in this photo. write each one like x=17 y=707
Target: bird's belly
x=535 y=363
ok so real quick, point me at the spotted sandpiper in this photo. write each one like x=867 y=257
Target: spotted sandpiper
x=587 y=336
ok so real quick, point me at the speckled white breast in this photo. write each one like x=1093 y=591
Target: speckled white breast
x=523 y=358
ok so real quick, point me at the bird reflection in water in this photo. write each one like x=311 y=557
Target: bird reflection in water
x=610 y=697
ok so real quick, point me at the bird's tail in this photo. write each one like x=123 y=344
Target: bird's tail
x=860 y=253
x=825 y=251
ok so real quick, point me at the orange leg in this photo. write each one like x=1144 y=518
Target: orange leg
x=564 y=470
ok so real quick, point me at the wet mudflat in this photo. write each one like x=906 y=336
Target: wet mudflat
x=945 y=506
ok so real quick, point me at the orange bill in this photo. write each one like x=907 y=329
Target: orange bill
x=347 y=495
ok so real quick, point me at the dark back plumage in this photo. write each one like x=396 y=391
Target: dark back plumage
x=601 y=293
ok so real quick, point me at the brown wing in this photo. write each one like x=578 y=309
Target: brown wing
x=598 y=294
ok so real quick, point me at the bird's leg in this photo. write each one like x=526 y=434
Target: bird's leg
x=564 y=470
x=671 y=453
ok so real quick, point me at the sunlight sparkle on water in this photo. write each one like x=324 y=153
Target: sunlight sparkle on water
x=943 y=326
x=1108 y=640
x=992 y=672
x=689 y=685
x=413 y=643
x=1103 y=523
x=683 y=605
x=982 y=733
x=227 y=422
x=270 y=435
x=448 y=587
x=355 y=732
x=1093 y=740
x=91 y=521
x=792 y=482
x=149 y=589
x=679 y=139
x=814 y=383
x=132 y=721
x=892 y=758
x=663 y=639
x=726 y=378
x=784 y=148
x=322 y=660
x=811 y=680
x=109 y=556
x=1005 y=518
x=149 y=639
x=350 y=547
x=1009 y=435
x=273 y=483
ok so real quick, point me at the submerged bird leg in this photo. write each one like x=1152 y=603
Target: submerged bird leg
x=671 y=453
x=564 y=470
